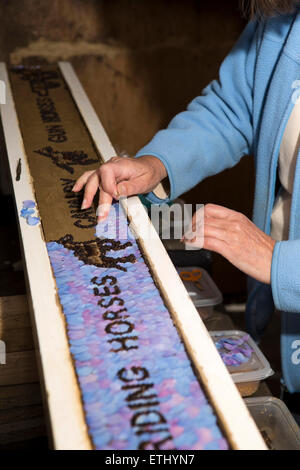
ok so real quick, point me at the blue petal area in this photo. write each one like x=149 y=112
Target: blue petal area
x=26 y=212
x=33 y=220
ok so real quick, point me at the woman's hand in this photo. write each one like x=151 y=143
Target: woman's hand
x=235 y=237
x=120 y=176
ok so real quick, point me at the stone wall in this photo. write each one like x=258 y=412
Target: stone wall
x=140 y=61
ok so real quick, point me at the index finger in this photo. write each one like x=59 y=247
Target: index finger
x=220 y=212
x=90 y=190
x=105 y=201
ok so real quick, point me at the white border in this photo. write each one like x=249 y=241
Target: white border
x=62 y=394
x=232 y=412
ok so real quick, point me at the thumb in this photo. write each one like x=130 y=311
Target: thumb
x=129 y=188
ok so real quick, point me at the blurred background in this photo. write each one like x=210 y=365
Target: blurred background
x=141 y=62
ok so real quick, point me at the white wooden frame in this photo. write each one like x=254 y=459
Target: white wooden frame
x=63 y=396
x=64 y=406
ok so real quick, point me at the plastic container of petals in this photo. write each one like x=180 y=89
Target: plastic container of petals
x=201 y=288
x=243 y=358
x=276 y=424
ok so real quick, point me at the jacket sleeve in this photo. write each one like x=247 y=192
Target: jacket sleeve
x=285 y=279
x=216 y=129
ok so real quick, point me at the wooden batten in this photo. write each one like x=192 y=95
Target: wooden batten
x=69 y=430
x=63 y=395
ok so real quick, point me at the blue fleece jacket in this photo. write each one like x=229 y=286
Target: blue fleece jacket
x=244 y=112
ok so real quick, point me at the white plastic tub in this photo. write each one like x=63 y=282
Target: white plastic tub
x=201 y=288
x=276 y=424
x=248 y=375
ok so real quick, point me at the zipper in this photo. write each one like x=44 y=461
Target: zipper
x=293 y=211
x=274 y=163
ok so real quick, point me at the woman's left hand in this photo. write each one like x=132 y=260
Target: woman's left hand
x=234 y=236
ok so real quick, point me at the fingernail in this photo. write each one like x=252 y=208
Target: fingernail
x=84 y=204
x=73 y=189
x=121 y=190
x=101 y=212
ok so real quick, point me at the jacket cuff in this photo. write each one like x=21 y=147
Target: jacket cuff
x=151 y=197
x=285 y=275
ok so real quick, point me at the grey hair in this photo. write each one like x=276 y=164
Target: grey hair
x=267 y=8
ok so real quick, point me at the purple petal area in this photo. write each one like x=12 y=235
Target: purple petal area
x=28 y=204
x=234 y=352
x=140 y=391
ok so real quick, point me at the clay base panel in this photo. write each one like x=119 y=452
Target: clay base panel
x=136 y=382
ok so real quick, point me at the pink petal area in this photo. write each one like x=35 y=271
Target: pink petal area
x=193 y=411
x=88 y=379
x=175 y=400
x=176 y=430
x=205 y=436
x=166 y=387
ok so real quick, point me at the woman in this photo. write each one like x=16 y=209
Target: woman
x=251 y=109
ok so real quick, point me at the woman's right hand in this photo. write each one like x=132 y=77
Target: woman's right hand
x=120 y=177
